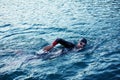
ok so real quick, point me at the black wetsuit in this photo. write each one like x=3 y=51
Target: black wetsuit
x=66 y=44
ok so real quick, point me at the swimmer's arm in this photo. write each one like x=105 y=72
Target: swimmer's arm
x=47 y=48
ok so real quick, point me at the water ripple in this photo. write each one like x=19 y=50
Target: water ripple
x=27 y=26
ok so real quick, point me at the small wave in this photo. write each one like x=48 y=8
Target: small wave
x=12 y=75
x=80 y=23
x=5 y=25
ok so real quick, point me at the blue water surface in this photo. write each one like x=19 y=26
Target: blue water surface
x=26 y=26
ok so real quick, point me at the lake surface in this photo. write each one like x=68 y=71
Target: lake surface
x=26 y=26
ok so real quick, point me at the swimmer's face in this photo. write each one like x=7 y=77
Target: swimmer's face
x=81 y=45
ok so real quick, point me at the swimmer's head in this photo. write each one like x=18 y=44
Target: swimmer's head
x=82 y=42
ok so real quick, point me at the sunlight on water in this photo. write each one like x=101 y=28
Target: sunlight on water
x=26 y=26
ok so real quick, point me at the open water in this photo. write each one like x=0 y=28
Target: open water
x=26 y=26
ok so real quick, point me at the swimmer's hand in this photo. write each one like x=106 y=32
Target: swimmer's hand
x=47 y=48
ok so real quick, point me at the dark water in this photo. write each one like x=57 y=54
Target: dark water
x=26 y=26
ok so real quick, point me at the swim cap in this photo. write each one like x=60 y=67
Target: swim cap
x=83 y=40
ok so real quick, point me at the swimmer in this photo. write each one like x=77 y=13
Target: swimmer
x=69 y=45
